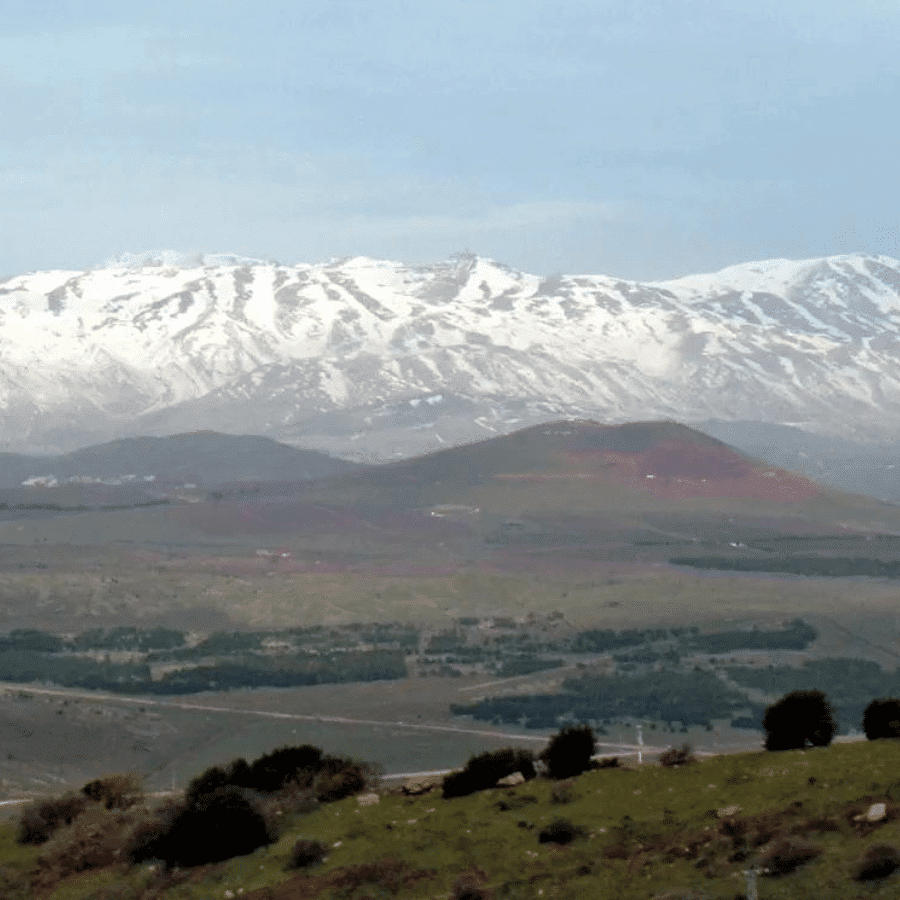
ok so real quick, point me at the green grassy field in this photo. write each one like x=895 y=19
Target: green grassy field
x=646 y=831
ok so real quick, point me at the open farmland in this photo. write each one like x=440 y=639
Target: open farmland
x=575 y=523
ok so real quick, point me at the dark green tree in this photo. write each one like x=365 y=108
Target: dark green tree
x=799 y=719
x=569 y=752
x=881 y=718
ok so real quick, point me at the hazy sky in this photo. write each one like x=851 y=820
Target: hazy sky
x=641 y=138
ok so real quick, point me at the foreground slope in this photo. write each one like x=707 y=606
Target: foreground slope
x=646 y=832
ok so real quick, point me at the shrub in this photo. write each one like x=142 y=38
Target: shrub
x=471 y=885
x=95 y=839
x=306 y=852
x=285 y=769
x=677 y=756
x=207 y=782
x=346 y=781
x=13 y=885
x=569 y=752
x=484 y=770
x=562 y=793
x=787 y=854
x=881 y=718
x=39 y=820
x=879 y=861
x=212 y=827
x=799 y=719
x=275 y=770
x=115 y=791
x=559 y=831
x=292 y=800
x=385 y=875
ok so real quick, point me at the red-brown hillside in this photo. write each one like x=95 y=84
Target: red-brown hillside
x=672 y=461
x=664 y=459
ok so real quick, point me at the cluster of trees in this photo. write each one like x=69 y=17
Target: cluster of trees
x=28 y=666
x=807 y=719
x=798 y=635
x=168 y=643
x=525 y=664
x=811 y=566
x=283 y=671
x=692 y=698
x=597 y=640
x=139 y=640
x=224 y=661
x=849 y=683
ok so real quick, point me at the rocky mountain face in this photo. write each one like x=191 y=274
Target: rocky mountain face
x=387 y=359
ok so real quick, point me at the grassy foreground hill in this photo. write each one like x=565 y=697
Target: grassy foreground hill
x=643 y=832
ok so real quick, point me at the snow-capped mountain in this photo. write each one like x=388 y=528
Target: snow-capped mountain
x=392 y=354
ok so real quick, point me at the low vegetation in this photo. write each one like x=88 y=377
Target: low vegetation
x=158 y=660
x=484 y=770
x=817 y=823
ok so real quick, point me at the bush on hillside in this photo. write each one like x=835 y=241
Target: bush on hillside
x=210 y=780
x=677 y=756
x=94 y=840
x=881 y=718
x=284 y=765
x=879 y=861
x=569 y=752
x=799 y=719
x=378 y=879
x=349 y=779
x=788 y=854
x=484 y=770
x=14 y=885
x=291 y=800
x=115 y=791
x=471 y=885
x=286 y=769
x=39 y=820
x=213 y=827
x=559 y=831
x=231 y=810
x=307 y=852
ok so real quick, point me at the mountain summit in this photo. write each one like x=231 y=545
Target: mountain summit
x=369 y=350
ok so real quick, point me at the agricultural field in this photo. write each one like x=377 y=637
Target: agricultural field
x=439 y=600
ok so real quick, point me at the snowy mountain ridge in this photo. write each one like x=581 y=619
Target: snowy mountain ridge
x=162 y=342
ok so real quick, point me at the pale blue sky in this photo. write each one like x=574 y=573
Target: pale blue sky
x=639 y=138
